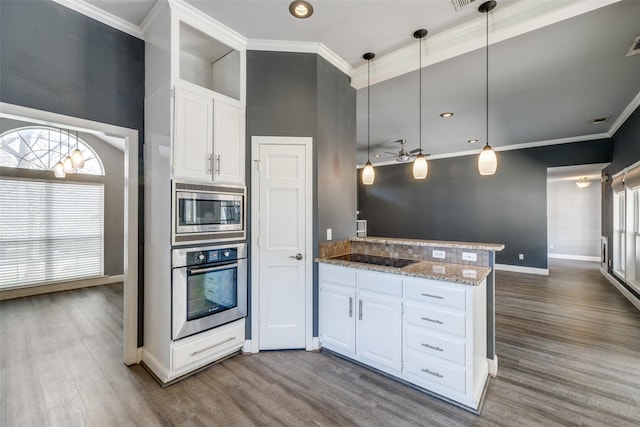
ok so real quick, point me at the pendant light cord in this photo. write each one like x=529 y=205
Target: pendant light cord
x=368 y=105
x=420 y=98
x=487 y=85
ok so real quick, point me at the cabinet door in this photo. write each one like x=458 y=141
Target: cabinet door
x=337 y=318
x=193 y=136
x=379 y=329
x=229 y=143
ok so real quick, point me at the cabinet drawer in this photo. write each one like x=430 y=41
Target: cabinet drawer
x=444 y=321
x=432 y=292
x=337 y=275
x=211 y=346
x=382 y=283
x=432 y=371
x=421 y=341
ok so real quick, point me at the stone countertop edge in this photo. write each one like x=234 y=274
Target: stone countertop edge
x=435 y=243
x=454 y=273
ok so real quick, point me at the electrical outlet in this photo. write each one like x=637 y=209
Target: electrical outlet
x=469 y=256
x=521 y=256
x=329 y=234
x=439 y=254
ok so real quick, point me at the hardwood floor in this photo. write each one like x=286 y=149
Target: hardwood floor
x=568 y=348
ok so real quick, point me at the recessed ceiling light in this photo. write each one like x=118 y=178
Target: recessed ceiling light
x=301 y=9
x=472 y=141
x=447 y=114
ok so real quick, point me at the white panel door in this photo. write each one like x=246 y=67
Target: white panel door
x=282 y=243
x=193 y=133
x=229 y=143
x=379 y=329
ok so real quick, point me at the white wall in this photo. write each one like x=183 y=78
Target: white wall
x=573 y=219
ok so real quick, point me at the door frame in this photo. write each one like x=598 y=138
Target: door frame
x=131 y=353
x=253 y=345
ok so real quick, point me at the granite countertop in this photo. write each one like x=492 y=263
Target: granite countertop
x=455 y=273
x=435 y=243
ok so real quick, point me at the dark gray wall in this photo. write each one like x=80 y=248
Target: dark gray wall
x=298 y=94
x=456 y=203
x=113 y=162
x=626 y=151
x=55 y=59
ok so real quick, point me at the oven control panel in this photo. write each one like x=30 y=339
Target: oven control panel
x=212 y=256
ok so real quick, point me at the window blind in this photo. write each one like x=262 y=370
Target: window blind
x=50 y=231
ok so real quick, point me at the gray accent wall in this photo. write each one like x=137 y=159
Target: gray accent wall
x=302 y=95
x=55 y=59
x=456 y=203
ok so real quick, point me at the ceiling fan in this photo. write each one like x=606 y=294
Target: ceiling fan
x=404 y=156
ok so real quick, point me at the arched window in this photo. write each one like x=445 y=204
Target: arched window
x=41 y=148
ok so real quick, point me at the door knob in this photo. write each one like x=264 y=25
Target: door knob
x=297 y=256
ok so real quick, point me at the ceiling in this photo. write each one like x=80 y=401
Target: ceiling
x=555 y=65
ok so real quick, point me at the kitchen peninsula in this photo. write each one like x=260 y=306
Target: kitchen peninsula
x=418 y=310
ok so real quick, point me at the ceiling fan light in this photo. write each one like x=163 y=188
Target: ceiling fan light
x=77 y=159
x=58 y=170
x=368 y=174
x=487 y=162
x=420 y=167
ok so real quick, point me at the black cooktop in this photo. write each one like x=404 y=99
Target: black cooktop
x=377 y=260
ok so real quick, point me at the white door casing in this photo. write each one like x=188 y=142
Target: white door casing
x=130 y=310
x=282 y=223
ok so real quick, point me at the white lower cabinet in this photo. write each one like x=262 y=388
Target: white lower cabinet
x=426 y=332
x=359 y=322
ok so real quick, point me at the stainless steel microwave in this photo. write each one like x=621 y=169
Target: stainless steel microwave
x=207 y=213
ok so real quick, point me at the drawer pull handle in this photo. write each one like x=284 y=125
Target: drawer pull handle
x=432 y=347
x=195 y=353
x=433 y=296
x=439 y=322
x=435 y=374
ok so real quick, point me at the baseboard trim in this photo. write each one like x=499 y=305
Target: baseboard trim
x=624 y=291
x=28 y=291
x=492 y=364
x=521 y=269
x=575 y=257
x=247 y=347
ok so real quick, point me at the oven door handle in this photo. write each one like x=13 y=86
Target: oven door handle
x=209 y=269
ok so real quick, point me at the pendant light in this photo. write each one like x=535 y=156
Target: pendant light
x=487 y=161
x=420 y=166
x=58 y=169
x=77 y=159
x=368 y=174
x=67 y=163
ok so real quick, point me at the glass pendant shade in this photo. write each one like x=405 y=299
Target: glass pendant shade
x=368 y=174
x=420 y=167
x=67 y=165
x=58 y=170
x=77 y=160
x=487 y=162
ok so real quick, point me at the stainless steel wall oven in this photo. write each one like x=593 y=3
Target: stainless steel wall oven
x=206 y=213
x=209 y=287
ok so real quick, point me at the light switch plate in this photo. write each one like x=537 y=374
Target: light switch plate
x=469 y=256
x=439 y=254
x=329 y=234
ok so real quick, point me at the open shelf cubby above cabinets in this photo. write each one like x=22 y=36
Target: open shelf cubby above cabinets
x=209 y=63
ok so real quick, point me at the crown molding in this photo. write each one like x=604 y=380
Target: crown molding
x=507 y=22
x=534 y=144
x=106 y=18
x=301 y=47
x=633 y=105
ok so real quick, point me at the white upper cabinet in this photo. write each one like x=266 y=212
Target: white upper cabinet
x=208 y=69
x=193 y=136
